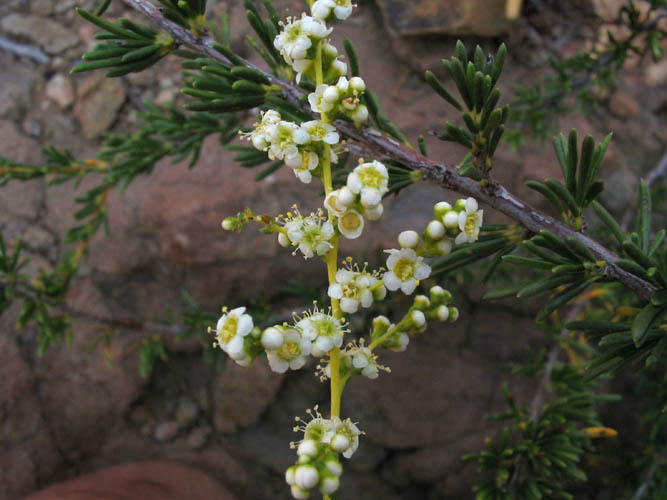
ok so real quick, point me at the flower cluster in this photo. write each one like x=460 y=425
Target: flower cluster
x=319 y=462
x=353 y=287
x=311 y=234
x=340 y=100
x=323 y=330
x=462 y=222
x=299 y=146
x=309 y=149
x=361 y=196
x=397 y=336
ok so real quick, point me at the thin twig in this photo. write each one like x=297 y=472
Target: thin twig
x=536 y=403
x=371 y=142
x=646 y=483
x=29 y=51
x=658 y=172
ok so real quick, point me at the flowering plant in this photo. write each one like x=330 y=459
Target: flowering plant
x=312 y=111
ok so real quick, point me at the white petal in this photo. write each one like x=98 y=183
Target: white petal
x=471 y=205
x=335 y=291
x=350 y=306
x=391 y=281
x=245 y=325
x=407 y=287
x=461 y=238
x=423 y=271
x=277 y=364
x=366 y=298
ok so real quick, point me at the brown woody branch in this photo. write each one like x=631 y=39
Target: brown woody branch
x=370 y=142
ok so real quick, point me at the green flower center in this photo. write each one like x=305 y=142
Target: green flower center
x=404 y=269
x=471 y=222
x=325 y=328
x=370 y=177
x=289 y=351
x=228 y=329
x=350 y=221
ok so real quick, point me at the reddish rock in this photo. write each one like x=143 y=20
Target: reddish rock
x=98 y=101
x=242 y=394
x=145 y=481
x=61 y=90
x=28 y=453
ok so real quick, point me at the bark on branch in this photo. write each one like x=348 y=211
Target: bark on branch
x=370 y=142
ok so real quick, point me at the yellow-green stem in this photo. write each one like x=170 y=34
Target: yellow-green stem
x=332 y=256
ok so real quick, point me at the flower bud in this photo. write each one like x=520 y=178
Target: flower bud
x=444 y=246
x=441 y=208
x=298 y=493
x=229 y=223
x=418 y=318
x=306 y=476
x=346 y=197
x=342 y=84
x=308 y=448
x=283 y=240
x=380 y=325
x=272 y=339
x=357 y=84
x=408 y=239
x=338 y=67
x=451 y=219
x=443 y=313
x=439 y=295
x=334 y=467
x=374 y=213
x=360 y=115
x=435 y=230
x=329 y=485
x=460 y=204
x=453 y=314
x=422 y=303
x=330 y=94
x=340 y=443
x=289 y=475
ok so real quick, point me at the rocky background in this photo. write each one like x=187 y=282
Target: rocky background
x=70 y=412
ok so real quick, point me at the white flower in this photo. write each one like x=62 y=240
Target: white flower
x=351 y=224
x=371 y=181
x=322 y=9
x=363 y=359
x=333 y=205
x=302 y=163
x=232 y=328
x=292 y=352
x=324 y=330
x=307 y=447
x=311 y=234
x=470 y=220
x=319 y=429
x=405 y=269
x=317 y=101
x=353 y=288
x=261 y=134
x=346 y=429
x=298 y=35
x=320 y=131
x=285 y=137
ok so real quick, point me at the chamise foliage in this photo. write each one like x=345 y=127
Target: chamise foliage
x=603 y=303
